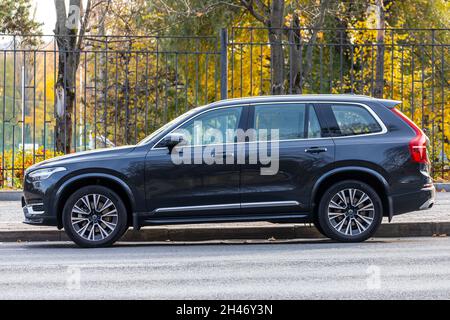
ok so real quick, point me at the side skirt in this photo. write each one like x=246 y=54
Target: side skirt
x=141 y=219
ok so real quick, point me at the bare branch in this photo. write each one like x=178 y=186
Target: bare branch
x=248 y=4
x=84 y=24
x=188 y=11
x=262 y=7
x=98 y=3
x=315 y=30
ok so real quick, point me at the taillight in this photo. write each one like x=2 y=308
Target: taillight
x=418 y=145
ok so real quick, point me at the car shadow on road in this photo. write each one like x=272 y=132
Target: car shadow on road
x=325 y=242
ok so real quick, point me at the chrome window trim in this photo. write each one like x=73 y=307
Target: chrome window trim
x=229 y=206
x=384 y=129
x=374 y=115
x=369 y=109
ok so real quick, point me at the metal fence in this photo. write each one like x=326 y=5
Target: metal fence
x=125 y=87
x=414 y=64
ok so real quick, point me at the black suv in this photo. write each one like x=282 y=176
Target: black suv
x=339 y=161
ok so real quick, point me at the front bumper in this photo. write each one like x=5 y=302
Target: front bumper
x=420 y=200
x=35 y=214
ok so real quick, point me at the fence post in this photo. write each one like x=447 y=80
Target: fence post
x=223 y=64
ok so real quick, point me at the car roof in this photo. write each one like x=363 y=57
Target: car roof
x=306 y=97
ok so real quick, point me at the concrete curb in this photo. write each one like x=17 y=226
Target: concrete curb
x=205 y=233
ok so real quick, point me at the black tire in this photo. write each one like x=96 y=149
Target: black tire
x=356 y=219
x=103 y=218
x=317 y=224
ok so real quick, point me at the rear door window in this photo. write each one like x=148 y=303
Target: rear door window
x=292 y=121
x=354 y=120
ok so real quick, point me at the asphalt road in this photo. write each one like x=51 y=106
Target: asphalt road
x=410 y=268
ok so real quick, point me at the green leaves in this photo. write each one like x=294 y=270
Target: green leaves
x=16 y=17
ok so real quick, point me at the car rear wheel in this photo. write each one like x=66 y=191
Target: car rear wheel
x=94 y=216
x=350 y=211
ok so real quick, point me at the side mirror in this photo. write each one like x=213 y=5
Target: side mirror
x=172 y=140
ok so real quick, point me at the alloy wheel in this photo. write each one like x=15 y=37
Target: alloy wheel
x=94 y=217
x=351 y=212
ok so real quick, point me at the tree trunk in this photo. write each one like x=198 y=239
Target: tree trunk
x=103 y=79
x=68 y=38
x=65 y=93
x=301 y=68
x=295 y=53
x=379 y=79
x=276 y=22
x=273 y=18
x=312 y=41
x=64 y=126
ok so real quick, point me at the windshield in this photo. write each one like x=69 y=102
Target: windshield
x=167 y=125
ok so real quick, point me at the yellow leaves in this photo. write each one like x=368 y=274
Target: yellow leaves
x=288 y=20
x=320 y=35
x=303 y=20
x=251 y=71
x=13 y=163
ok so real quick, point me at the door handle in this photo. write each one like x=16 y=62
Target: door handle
x=316 y=150
x=223 y=154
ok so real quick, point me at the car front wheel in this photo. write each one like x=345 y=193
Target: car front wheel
x=350 y=211
x=94 y=216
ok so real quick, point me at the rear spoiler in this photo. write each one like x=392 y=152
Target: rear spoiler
x=389 y=103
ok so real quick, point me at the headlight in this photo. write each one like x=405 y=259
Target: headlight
x=43 y=174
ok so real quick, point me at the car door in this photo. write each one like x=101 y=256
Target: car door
x=305 y=151
x=195 y=186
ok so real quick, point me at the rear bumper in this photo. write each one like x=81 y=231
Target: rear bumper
x=414 y=201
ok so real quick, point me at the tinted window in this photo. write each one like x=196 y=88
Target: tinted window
x=220 y=122
x=293 y=121
x=168 y=124
x=314 y=129
x=354 y=120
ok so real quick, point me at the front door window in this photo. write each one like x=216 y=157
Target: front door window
x=212 y=127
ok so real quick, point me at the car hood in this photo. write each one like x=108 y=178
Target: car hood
x=83 y=156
